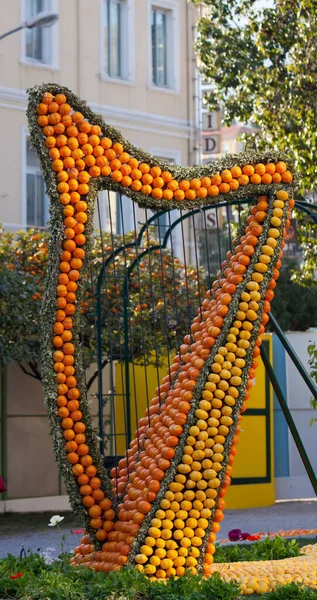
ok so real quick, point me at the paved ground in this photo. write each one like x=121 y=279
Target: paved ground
x=32 y=532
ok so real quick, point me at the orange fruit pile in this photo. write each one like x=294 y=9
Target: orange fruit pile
x=181 y=526
x=176 y=534
x=80 y=151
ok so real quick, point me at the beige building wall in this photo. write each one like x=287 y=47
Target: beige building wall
x=31 y=470
x=157 y=118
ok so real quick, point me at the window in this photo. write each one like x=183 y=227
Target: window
x=159 y=47
x=164 y=41
x=117 y=52
x=39 y=42
x=36 y=199
x=113 y=37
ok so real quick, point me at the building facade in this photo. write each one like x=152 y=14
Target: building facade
x=132 y=60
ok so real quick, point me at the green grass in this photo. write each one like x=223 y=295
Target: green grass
x=59 y=581
x=267 y=549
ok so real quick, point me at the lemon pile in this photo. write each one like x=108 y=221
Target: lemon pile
x=258 y=577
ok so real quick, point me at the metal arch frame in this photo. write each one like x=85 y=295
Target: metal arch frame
x=305 y=207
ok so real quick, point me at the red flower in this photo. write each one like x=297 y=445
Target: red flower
x=78 y=531
x=253 y=538
x=16 y=576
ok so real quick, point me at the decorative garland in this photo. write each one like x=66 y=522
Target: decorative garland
x=171 y=484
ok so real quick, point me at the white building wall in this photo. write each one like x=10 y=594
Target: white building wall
x=297 y=485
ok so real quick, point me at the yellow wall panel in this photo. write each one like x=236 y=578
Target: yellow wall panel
x=250 y=460
x=142 y=387
x=254 y=463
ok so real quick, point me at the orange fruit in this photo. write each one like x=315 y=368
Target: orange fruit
x=72 y=458
x=260 y=168
x=248 y=170
x=224 y=188
x=234 y=184
x=86 y=461
x=53 y=107
x=126 y=181
x=144 y=168
x=173 y=185
x=77 y=117
x=47 y=98
x=190 y=194
x=236 y=171
x=213 y=190
x=54 y=118
x=88 y=501
x=146 y=189
x=255 y=178
x=270 y=168
x=243 y=179
x=287 y=177
x=276 y=177
x=118 y=148
x=195 y=184
x=116 y=176
x=60 y=98
x=147 y=179
x=125 y=169
x=166 y=176
x=280 y=167
x=155 y=171
x=226 y=175
x=179 y=195
x=137 y=174
x=167 y=194
x=157 y=193
x=184 y=185
x=266 y=178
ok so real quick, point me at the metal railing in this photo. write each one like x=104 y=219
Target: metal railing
x=141 y=252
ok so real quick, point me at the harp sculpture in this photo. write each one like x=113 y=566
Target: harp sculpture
x=161 y=510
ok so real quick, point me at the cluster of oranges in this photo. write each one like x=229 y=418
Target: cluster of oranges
x=81 y=151
x=62 y=130
x=175 y=539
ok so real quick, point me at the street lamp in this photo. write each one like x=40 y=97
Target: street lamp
x=42 y=19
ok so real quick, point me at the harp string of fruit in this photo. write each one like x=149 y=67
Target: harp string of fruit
x=173 y=479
